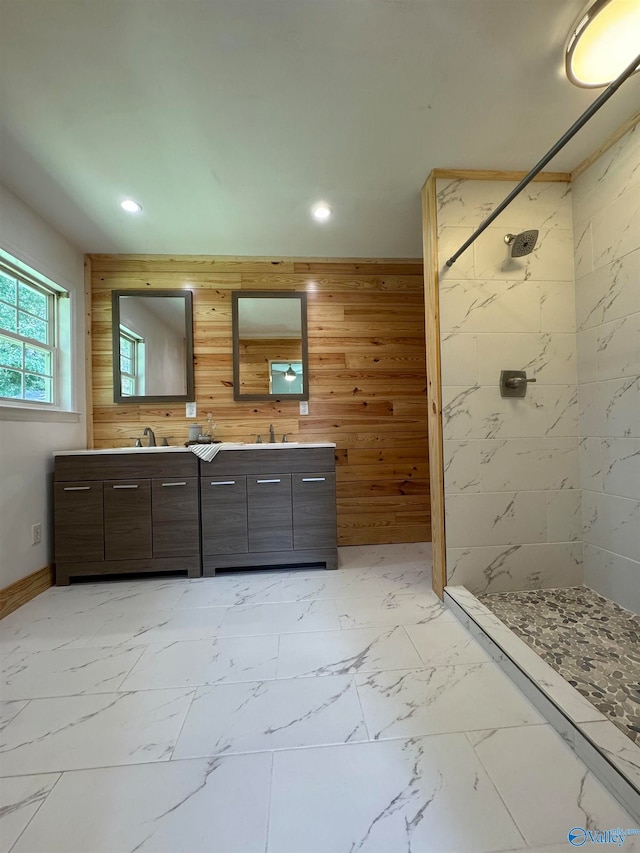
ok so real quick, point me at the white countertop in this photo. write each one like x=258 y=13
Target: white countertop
x=227 y=446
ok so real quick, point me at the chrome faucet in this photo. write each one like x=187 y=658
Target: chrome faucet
x=272 y=434
x=152 y=436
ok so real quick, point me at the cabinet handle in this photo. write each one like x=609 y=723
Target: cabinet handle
x=313 y=479
x=125 y=487
x=267 y=481
x=77 y=488
x=224 y=483
x=174 y=484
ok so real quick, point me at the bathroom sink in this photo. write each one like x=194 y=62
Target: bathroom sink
x=145 y=449
x=112 y=450
x=265 y=445
x=181 y=449
x=276 y=445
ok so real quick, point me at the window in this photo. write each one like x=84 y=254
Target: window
x=131 y=363
x=28 y=353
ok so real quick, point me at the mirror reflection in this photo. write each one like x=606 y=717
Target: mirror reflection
x=270 y=346
x=153 y=346
x=285 y=378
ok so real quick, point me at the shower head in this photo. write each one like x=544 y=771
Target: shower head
x=521 y=244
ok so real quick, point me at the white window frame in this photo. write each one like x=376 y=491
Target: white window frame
x=138 y=360
x=53 y=293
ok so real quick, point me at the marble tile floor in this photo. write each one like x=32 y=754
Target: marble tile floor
x=591 y=641
x=302 y=711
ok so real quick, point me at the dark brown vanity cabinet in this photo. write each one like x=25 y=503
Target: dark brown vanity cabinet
x=119 y=513
x=223 y=500
x=269 y=512
x=268 y=507
x=314 y=510
x=79 y=521
x=127 y=520
x=175 y=517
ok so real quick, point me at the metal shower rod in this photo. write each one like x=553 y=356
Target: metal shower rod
x=551 y=153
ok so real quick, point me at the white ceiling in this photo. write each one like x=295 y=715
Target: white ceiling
x=169 y=310
x=262 y=317
x=228 y=119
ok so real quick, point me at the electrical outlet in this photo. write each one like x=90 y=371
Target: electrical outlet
x=191 y=410
x=304 y=407
x=36 y=534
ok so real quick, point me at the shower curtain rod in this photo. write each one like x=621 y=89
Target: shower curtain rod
x=575 y=127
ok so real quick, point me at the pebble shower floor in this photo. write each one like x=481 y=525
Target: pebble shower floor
x=591 y=641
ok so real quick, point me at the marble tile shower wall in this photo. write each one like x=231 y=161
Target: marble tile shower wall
x=606 y=213
x=511 y=465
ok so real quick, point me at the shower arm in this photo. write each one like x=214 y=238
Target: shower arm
x=551 y=153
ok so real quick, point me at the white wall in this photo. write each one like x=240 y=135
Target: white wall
x=25 y=446
x=606 y=212
x=165 y=356
x=511 y=465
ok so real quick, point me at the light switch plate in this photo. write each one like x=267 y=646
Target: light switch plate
x=304 y=407
x=191 y=410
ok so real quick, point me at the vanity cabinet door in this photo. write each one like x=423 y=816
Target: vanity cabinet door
x=79 y=529
x=224 y=515
x=174 y=509
x=314 y=511
x=269 y=512
x=127 y=519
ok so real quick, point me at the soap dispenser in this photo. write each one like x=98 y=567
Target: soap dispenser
x=210 y=426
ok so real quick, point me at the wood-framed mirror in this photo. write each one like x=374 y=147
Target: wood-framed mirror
x=152 y=338
x=270 y=346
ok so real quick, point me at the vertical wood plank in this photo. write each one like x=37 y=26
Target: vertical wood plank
x=434 y=385
x=88 y=352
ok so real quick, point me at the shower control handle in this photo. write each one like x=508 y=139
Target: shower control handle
x=513 y=383
x=517 y=381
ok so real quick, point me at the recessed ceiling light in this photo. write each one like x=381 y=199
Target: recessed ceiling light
x=602 y=42
x=321 y=212
x=131 y=206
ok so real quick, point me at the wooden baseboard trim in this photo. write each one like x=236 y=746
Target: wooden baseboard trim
x=18 y=593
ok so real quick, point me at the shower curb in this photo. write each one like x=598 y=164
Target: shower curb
x=607 y=752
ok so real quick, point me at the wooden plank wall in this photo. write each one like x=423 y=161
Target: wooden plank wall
x=366 y=369
x=255 y=354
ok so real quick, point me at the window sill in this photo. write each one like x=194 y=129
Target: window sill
x=9 y=412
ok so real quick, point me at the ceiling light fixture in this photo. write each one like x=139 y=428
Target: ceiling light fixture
x=602 y=42
x=290 y=374
x=321 y=212
x=131 y=206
